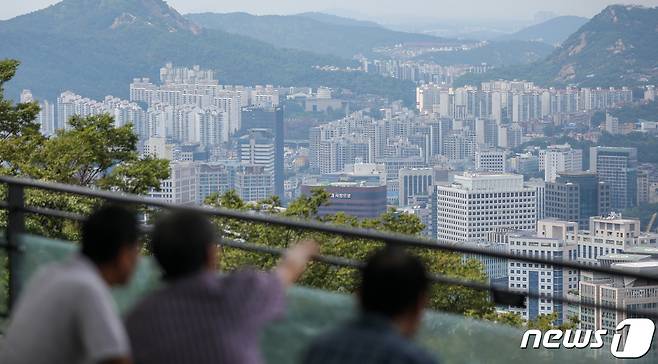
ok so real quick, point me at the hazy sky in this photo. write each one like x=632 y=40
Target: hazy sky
x=439 y=9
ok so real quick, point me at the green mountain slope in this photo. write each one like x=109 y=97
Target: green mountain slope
x=618 y=47
x=96 y=47
x=339 y=20
x=553 y=31
x=498 y=53
x=318 y=34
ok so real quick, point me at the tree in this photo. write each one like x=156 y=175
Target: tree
x=91 y=152
x=328 y=277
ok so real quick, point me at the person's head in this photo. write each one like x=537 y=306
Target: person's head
x=394 y=284
x=184 y=243
x=110 y=241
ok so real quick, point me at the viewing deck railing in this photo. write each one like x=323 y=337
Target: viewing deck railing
x=15 y=237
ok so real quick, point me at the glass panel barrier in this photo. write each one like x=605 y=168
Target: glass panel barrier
x=453 y=338
x=4 y=280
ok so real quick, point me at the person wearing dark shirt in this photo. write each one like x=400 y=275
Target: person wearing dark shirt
x=392 y=294
x=199 y=316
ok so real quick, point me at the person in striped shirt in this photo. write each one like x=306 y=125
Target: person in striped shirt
x=199 y=316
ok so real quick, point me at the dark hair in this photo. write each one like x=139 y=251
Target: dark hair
x=106 y=231
x=392 y=282
x=180 y=243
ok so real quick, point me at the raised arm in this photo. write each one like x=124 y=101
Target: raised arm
x=294 y=261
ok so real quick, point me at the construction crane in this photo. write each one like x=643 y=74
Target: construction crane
x=651 y=222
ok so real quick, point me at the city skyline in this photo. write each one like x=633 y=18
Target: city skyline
x=387 y=11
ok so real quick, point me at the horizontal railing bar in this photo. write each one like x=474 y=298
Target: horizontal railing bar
x=54 y=213
x=326 y=228
x=438 y=278
x=359 y=233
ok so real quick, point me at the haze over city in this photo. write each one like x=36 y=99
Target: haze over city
x=373 y=9
x=480 y=174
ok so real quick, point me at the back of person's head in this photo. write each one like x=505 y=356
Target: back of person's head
x=393 y=282
x=181 y=243
x=107 y=232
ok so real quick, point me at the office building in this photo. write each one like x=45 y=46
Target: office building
x=559 y=159
x=414 y=182
x=486 y=132
x=618 y=168
x=540 y=186
x=491 y=160
x=257 y=147
x=611 y=234
x=548 y=242
x=269 y=118
x=181 y=187
x=475 y=204
x=643 y=187
x=352 y=195
x=253 y=183
x=620 y=292
x=577 y=197
x=215 y=178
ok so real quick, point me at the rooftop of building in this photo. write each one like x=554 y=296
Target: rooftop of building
x=625 y=257
x=641 y=264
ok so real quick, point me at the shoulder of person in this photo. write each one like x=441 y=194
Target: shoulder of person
x=414 y=354
x=249 y=277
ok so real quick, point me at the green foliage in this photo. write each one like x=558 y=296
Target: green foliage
x=500 y=53
x=91 y=153
x=633 y=113
x=646 y=144
x=448 y=298
x=137 y=176
x=547 y=322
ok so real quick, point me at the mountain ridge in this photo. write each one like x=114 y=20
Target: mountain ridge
x=310 y=34
x=96 y=47
x=617 y=47
x=553 y=31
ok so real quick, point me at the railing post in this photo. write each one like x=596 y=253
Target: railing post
x=15 y=227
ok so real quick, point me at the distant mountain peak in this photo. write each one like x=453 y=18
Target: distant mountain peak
x=150 y=12
x=617 y=47
x=100 y=15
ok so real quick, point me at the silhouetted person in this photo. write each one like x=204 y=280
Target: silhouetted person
x=66 y=314
x=392 y=295
x=201 y=317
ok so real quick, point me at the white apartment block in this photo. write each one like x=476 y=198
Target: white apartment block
x=181 y=187
x=476 y=204
x=559 y=159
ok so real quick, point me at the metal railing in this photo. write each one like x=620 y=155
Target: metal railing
x=17 y=211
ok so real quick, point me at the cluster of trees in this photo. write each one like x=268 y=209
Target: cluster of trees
x=646 y=144
x=633 y=113
x=498 y=54
x=91 y=152
x=447 y=298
